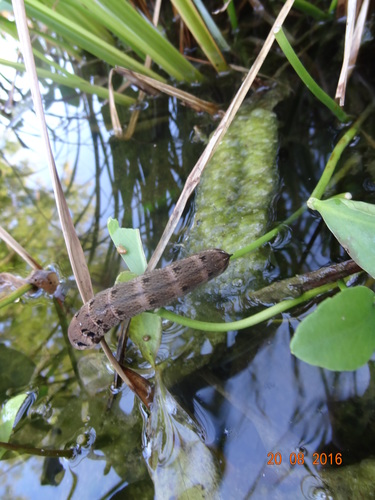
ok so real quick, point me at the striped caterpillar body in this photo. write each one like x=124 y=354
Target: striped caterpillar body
x=146 y=292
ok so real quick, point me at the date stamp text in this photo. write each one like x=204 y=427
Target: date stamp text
x=276 y=458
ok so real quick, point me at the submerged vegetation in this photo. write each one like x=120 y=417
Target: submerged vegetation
x=195 y=53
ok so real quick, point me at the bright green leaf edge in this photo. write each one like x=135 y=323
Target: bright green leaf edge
x=194 y=22
x=145 y=330
x=340 y=334
x=306 y=77
x=130 y=241
x=8 y=416
x=353 y=224
x=211 y=25
x=84 y=39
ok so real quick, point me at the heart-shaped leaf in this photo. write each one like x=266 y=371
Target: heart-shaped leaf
x=340 y=333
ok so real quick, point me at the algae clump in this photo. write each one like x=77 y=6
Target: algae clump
x=234 y=196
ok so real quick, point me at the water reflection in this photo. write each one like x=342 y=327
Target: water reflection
x=246 y=397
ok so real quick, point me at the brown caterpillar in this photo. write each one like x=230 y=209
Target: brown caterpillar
x=146 y=292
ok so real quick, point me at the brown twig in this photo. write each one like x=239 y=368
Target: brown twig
x=10 y=241
x=296 y=286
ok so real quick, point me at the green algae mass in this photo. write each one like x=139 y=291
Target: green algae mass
x=234 y=196
x=353 y=481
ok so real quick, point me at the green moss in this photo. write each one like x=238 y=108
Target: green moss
x=234 y=197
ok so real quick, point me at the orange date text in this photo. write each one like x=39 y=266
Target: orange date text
x=275 y=458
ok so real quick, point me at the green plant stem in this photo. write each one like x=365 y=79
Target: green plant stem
x=9 y=299
x=306 y=78
x=333 y=6
x=268 y=313
x=268 y=236
x=341 y=284
x=337 y=152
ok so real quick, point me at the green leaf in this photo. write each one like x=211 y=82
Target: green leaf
x=129 y=245
x=194 y=22
x=125 y=276
x=84 y=24
x=145 y=331
x=8 y=415
x=16 y=370
x=340 y=333
x=307 y=79
x=122 y=19
x=78 y=35
x=353 y=224
x=211 y=25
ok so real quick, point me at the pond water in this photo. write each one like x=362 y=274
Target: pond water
x=238 y=417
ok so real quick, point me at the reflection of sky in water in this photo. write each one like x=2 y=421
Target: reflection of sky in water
x=86 y=487
x=72 y=144
x=157 y=163
x=259 y=412
x=138 y=181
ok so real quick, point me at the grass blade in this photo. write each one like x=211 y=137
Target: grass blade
x=10 y=241
x=83 y=38
x=211 y=25
x=306 y=78
x=194 y=22
x=136 y=32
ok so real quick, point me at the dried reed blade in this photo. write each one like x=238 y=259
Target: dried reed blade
x=358 y=32
x=72 y=242
x=116 y=125
x=10 y=241
x=153 y=87
x=349 y=32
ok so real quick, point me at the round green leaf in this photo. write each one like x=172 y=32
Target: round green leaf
x=353 y=224
x=340 y=333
